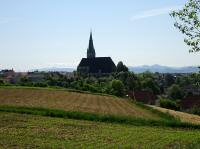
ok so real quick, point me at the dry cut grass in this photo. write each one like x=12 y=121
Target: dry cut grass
x=59 y=99
x=184 y=117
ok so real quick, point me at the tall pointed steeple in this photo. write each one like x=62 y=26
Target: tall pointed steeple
x=91 y=51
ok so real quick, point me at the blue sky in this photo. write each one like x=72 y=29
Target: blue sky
x=55 y=33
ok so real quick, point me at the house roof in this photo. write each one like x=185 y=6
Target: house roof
x=191 y=101
x=98 y=64
x=145 y=97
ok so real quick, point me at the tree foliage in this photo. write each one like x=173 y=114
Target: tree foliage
x=175 y=92
x=121 y=67
x=117 y=87
x=188 y=22
x=169 y=104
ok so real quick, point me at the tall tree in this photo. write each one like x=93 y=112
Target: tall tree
x=187 y=21
x=121 y=67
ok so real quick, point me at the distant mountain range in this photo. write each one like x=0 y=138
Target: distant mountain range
x=136 y=69
x=164 y=69
x=55 y=69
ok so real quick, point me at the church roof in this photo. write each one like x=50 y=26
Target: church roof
x=91 y=45
x=91 y=51
x=98 y=64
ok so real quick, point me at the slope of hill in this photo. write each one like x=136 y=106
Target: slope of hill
x=65 y=100
x=184 y=117
x=131 y=126
x=29 y=131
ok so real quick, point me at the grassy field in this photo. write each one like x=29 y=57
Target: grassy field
x=57 y=119
x=65 y=100
x=184 y=117
x=27 y=131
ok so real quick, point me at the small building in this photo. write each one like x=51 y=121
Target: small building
x=7 y=72
x=191 y=89
x=95 y=65
x=144 y=96
x=10 y=76
x=36 y=76
x=190 y=101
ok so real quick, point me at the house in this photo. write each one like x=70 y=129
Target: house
x=191 y=89
x=191 y=101
x=144 y=96
x=95 y=65
x=6 y=73
x=36 y=76
x=10 y=76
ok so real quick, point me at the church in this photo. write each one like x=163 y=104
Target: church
x=95 y=65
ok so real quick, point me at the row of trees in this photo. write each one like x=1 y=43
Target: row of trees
x=120 y=83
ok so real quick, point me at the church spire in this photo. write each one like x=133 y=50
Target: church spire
x=91 y=51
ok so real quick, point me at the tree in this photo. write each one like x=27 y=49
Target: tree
x=169 y=79
x=175 y=92
x=132 y=81
x=188 y=22
x=121 y=67
x=196 y=79
x=149 y=83
x=122 y=76
x=117 y=87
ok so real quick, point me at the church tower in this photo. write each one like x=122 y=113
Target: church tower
x=91 y=51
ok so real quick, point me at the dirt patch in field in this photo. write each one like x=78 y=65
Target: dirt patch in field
x=65 y=100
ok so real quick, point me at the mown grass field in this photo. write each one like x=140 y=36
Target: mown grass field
x=65 y=119
x=65 y=100
x=28 y=131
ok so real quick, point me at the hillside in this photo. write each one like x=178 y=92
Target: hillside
x=72 y=101
x=44 y=118
x=184 y=117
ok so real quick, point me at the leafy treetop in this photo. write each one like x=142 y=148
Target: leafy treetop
x=187 y=21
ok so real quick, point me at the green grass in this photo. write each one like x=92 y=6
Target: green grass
x=166 y=116
x=29 y=131
x=98 y=117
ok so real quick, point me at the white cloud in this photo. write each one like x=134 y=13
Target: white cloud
x=154 y=12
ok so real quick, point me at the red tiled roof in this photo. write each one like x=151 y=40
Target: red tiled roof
x=191 y=101
x=146 y=97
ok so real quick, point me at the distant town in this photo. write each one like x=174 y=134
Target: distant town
x=173 y=88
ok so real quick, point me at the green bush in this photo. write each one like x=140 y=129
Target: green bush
x=169 y=104
x=88 y=87
x=117 y=87
x=40 y=84
x=194 y=110
x=1 y=82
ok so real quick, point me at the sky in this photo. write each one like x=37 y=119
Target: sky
x=55 y=33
